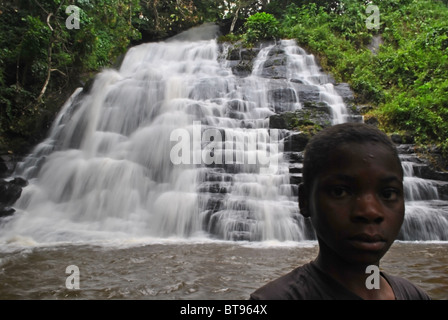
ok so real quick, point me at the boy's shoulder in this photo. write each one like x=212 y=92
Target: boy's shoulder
x=404 y=289
x=306 y=282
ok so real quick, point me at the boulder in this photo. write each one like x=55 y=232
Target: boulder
x=428 y=172
x=241 y=60
x=296 y=142
x=6 y=211
x=318 y=115
x=346 y=93
x=282 y=99
x=10 y=191
x=3 y=168
x=306 y=92
x=7 y=164
x=406 y=138
x=275 y=65
x=282 y=95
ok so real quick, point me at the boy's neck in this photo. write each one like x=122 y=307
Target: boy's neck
x=353 y=277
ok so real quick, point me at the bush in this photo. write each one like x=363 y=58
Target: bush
x=261 y=26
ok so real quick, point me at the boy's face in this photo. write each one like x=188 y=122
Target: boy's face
x=357 y=203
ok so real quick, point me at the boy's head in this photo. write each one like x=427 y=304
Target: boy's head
x=353 y=191
x=321 y=145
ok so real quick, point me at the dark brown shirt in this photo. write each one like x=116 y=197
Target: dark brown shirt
x=308 y=282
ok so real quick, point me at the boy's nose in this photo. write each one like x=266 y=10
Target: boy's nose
x=367 y=209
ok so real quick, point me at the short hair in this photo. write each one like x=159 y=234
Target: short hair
x=318 y=149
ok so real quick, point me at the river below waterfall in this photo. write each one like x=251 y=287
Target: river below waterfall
x=199 y=270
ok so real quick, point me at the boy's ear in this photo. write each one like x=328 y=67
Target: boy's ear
x=303 y=201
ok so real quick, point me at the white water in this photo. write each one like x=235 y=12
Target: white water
x=106 y=171
x=426 y=214
x=303 y=67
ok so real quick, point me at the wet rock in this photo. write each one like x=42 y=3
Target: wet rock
x=3 y=168
x=406 y=149
x=234 y=54
x=241 y=60
x=282 y=99
x=344 y=90
x=307 y=93
x=406 y=138
x=372 y=121
x=442 y=189
x=275 y=65
x=7 y=165
x=428 y=172
x=362 y=109
x=296 y=142
x=295 y=178
x=274 y=72
x=282 y=95
x=10 y=191
x=6 y=211
x=242 y=68
x=311 y=115
x=240 y=105
x=276 y=50
x=249 y=54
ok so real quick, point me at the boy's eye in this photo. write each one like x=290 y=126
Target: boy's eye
x=390 y=194
x=338 y=191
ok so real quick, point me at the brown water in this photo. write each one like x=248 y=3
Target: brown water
x=179 y=270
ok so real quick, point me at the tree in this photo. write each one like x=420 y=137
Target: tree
x=163 y=18
x=40 y=58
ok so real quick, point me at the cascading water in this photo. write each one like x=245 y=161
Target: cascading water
x=426 y=214
x=303 y=68
x=173 y=144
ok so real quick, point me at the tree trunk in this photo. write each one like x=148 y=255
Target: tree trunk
x=235 y=18
x=49 y=51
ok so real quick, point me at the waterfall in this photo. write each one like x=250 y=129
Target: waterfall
x=426 y=214
x=173 y=144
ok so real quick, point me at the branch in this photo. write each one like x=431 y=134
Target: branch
x=49 y=51
x=48 y=21
x=57 y=70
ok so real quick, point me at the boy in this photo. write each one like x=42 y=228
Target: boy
x=352 y=191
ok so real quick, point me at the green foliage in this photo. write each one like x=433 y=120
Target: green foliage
x=406 y=79
x=159 y=19
x=40 y=57
x=106 y=30
x=261 y=26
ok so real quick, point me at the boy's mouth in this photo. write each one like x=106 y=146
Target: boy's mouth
x=368 y=242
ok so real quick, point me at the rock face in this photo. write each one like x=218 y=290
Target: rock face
x=241 y=59
x=10 y=191
x=312 y=114
x=7 y=164
x=424 y=169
